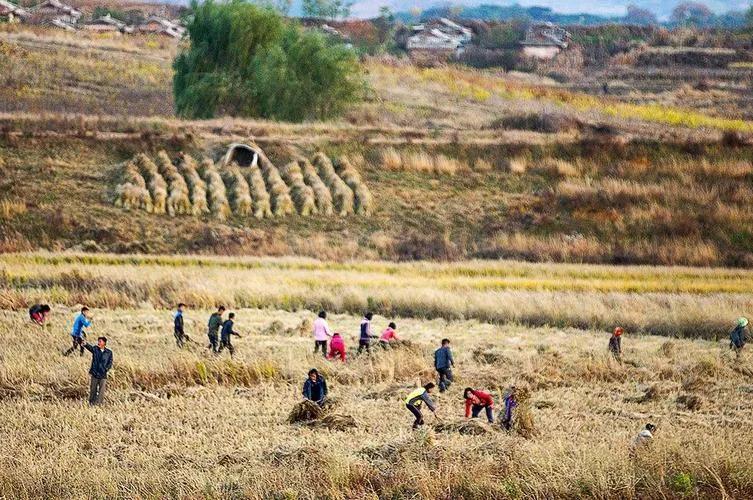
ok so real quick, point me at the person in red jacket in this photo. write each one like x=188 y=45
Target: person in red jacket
x=337 y=347
x=475 y=401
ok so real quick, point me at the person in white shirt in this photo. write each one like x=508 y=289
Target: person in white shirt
x=643 y=438
x=322 y=332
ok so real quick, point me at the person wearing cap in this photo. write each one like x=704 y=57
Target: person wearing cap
x=615 y=343
x=738 y=337
x=643 y=438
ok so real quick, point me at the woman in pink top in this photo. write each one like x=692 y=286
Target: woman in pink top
x=321 y=333
x=337 y=347
x=388 y=335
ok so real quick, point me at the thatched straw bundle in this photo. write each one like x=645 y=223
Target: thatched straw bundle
x=305 y=411
x=178 y=201
x=216 y=189
x=466 y=427
x=262 y=205
x=341 y=194
x=282 y=203
x=302 y=195
x=321 y=192
x=240 y=194
x=333 y=421
x=157 y=184
x=363 y=199
x=196 y=185
x=132 y=191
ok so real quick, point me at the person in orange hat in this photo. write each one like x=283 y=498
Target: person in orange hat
x=615 y=344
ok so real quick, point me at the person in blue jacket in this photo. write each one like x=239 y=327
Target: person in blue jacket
x=226 y=332
x=315 y=387
x=83 y=320
x=443 y=363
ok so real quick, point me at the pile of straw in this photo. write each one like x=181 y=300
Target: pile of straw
x=218 y=202
x=321 y=192
x=156 y=183
x=302 y=195
x=196 y=185
x=351 y=177
x=178 y=201
x=132 y=191
x=341 y=194
x=240 y=194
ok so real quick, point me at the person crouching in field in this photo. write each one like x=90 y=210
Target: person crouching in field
x=315 y=387
x=388 y=335
x=475 y=401
x=321 y=333
x=178 y=331
x=83 y=320
x=227 y=331
x=643 y=439
x=101 y=364
x=615 y=343
x=738 y=337
x=511 y=402
x=213 y=328
x=443 y=363
x=337 y=347
x=416 y=399
x=38 y=313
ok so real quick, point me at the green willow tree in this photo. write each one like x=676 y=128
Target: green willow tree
x=246 y=60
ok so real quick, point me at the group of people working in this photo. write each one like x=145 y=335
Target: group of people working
x=323 y=334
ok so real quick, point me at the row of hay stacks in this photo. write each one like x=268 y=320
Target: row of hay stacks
x=259 y=190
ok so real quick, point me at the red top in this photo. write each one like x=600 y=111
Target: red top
x=478 y=398
x=388 y=334
x=337 y=343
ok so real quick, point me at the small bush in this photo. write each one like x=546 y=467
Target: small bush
x=445 y=165
x=302 y=195
x=418 y=162
x=343 y=196
x=391 y=159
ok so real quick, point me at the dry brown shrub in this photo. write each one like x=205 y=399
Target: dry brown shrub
x=322 y=194
x=556 y=167
x=391 y=159
x=418 y=162
x=218 y=202
x=518 y=165
x=178 y=200
x=342 y=195
x=481 y=165
x=196 y=185
x=445 y=165
x=240 y=194
x=692 y=402
x=302 y=195
x=155 y=181
x=261 y=199
x=363 y=199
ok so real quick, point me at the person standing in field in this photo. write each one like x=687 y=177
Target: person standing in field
x=213 y=328
x=337 y=347
x=315 y=387
x=615 y=343
x=475 y=401
x=227 y=331
x=511 y=402
x=101 y=364
x=443 y=363
x=416 y=399
x=82 y=321
x=321 y=333
x=364 y=340
x=178 y=330
x=388 y=335
x=643 y=439
x=38 y=313
x=738 y=337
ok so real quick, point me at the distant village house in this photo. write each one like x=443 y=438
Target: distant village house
x=12 y=13
x=54 y=13
x=108 y=23
x=440 y=38
x=160 y=26
x=545 y=41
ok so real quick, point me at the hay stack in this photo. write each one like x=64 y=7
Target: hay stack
x=363 y=199
x=262 y=205
x=321 y=192
x=466 y=427
x=341 y=194
x=218 y=202
x=282 y=203
x=305 y=411
x=333 y=422
x=196 y=185
x=132 y=191
x=302 y=195
x=240 y=194
x=156 y=183
x=179 y=200
x=523 y=422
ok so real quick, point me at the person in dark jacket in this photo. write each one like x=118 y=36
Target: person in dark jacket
x=38 y=313
x=475 y=401
x=364 y=340
x=615 y=343
x=213 y=328
x=738 y=337
x=417 y=398
x=101 y=364
x=178 y=331
x=227 y=331
x=443 y=363
x=511 y=402
x=315 y=387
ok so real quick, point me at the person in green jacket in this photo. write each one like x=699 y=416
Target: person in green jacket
x=213 y=330
x=416 y=399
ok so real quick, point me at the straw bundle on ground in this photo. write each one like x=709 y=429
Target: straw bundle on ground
x=196 y=185
x=342 y=195
x=351 y=177
x=178 y=200
x=132 y=191
x=262 y=205
x=302 y=195
x=157 y=184
x=282 y=203
x=321 y=192
x=218 y=202
x=466 y=427
x=240 y=194
x=305 y=411
x=333 y=421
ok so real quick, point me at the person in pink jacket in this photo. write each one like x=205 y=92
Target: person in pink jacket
x=337 y=347
x=321 y=333
x=388 y=335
